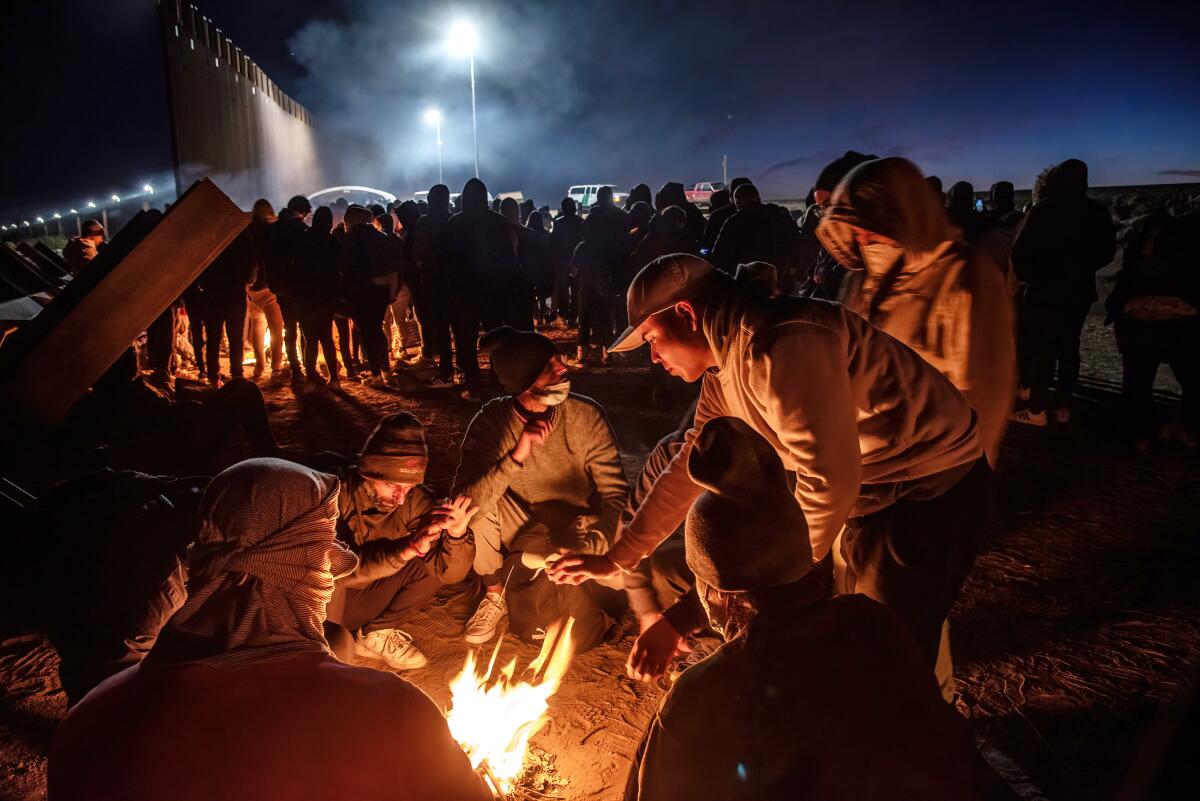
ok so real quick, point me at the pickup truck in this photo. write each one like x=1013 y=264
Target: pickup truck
x=701 y=193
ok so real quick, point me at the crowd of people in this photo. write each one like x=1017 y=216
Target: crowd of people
x=792 y=550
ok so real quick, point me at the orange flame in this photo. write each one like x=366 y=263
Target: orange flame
x=494 y=720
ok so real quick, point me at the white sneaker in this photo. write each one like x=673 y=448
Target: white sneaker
x=1062 y=415
x=483 y=624
x=1029 y=418
x=393 y=646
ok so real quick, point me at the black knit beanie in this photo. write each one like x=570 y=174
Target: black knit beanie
x=746 y=532
x=836 y=170
x=518 y=357
x=395 y=451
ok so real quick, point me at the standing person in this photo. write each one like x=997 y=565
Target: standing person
x=537 y=261
x=370 y=264
x=673 y=194
x=568 y=230
x=960 y=208
x=1002 y=210
x=284 y=240
x=595 y=292
x=804 y=686
x=541 y=463
x=319 y=282
x=224 y=286
x=666 y=233
x=717 y=217
x=193 y=304
x=241 y=697
x=262 y=307
x=825 y=275
x=1156 y=307
x=428 y=271
x=482 y=268
x=925 y=285
x=757 y=231
x=1065 y=239
x=411 y=347
x=880 y=441
x=408 y=544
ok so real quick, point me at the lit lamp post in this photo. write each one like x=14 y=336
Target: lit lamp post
x=434 y=117
x=462 y=40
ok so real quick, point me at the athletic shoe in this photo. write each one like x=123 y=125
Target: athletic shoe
x=393 y=646
x=437 y=382
x=483 y=624
x=1062 y=415
x=1029 y=418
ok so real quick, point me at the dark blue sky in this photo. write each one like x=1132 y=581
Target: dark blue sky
x=631 y=91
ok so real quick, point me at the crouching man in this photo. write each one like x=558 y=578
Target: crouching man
x=543 y=466
x=240 y=697
x=408 y=545
x=819 y=698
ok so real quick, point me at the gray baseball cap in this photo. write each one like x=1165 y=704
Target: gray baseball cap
x=657 y=287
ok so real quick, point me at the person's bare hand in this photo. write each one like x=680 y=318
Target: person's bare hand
x=533 y=435
x=576 y=568
x=653 y=651
x=456 y=515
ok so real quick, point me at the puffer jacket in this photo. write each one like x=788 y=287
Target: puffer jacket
x=947 y=300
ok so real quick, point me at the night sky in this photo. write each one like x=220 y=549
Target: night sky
x=627 y=92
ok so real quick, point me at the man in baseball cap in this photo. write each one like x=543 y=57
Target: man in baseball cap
x=879 y=440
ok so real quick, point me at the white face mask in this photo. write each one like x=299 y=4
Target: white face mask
x=554 y=394
x=879 y=257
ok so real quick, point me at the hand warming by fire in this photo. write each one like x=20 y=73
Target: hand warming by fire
x=494 y=718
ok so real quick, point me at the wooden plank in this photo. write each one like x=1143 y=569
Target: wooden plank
x=70 y=346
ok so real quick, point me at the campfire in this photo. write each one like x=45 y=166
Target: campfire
x=493 y=719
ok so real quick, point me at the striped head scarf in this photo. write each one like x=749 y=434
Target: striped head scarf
x=262 y=568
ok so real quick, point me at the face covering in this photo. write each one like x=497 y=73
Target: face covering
x=880 y=257
x=714 y=607
x=554 y=394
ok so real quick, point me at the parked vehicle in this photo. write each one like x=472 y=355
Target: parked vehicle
x=585 y=195
x=701 y=193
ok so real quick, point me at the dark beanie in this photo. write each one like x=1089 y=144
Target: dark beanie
x=518 y=357
x=395 y=451
x=746 y=531
x=835 y=170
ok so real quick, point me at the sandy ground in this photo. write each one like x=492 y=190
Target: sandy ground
x=1075 y=628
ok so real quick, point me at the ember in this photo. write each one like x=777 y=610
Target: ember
x=494 y=720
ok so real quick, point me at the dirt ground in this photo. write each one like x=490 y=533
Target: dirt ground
x=1075 y=629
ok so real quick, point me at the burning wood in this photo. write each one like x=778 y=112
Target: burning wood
x=494 y=719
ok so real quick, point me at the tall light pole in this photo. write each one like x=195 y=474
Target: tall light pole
x=434 y=117
x=462 y=39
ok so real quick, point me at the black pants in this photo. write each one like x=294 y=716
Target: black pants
x=195 y=312
x=1050 y=336
x=291 y=331
x=464 y=323
x=160 y=340
x=318 y=330
x=595 y=319
x=1144 y=346
x=346 y=343
x=230 y=314
x=914 y=555
x=385 y=604
x=433 y=314
x=368 y=306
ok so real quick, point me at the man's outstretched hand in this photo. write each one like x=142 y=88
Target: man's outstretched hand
x=653 y=651
x=576 y=568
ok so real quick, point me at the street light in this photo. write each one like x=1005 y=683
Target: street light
x=148 y=189
x=91 y=205
x=462 y=40
x=434 y=117
x=116 y=199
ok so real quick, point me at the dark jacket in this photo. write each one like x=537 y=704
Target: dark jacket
x=1158 y=278
x=568 y=230
x=537 y=260
x=1065 y=239
x=830 y=701
x=758 y=232
x=607 y=228
x=369 y=257
x=282 y=241
x=661 y=238
x=479 y=247
x=226 y=278
x=712 y=226
x=429 y=249
x=316 y=269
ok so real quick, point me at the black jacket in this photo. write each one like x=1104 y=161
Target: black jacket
x=759 y=232
x=568 y=230
x=479 y=248
x=1065 y=239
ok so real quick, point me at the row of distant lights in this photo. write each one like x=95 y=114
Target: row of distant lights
x=146 y=188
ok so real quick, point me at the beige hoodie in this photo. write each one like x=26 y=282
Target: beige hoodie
x=949 y=302
x=842 y=403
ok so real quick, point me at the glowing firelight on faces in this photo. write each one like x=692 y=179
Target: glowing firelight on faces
x=493 y=720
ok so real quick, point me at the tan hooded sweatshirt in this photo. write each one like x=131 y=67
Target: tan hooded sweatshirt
x=948 y=301
x=842 y=403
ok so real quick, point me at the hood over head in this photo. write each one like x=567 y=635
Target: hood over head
x=439 y=197
x=640 y=194
x=888 y=197
x=833 y=172
x=474 y=197
x=961 y=196
x=1070 y=179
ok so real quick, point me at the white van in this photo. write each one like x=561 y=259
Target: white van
x=585 y=195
